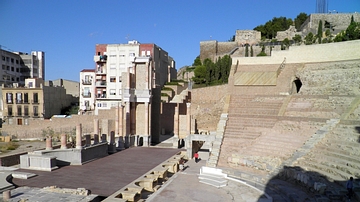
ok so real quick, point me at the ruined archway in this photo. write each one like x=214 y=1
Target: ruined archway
x=296 y=86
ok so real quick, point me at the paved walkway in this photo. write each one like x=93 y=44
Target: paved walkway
x=103 y=176
x=185 y=186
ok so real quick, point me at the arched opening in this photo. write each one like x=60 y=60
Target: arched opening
x=141 y=141
x=297 y=85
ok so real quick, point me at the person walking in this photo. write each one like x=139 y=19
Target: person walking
x=349 y=187
x=196 y=156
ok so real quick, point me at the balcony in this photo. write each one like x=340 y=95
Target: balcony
x=100 y=83
x=86 y=95
x=86 y=82
x=35 y=101
x=19 y=101
x=100 y=58
x=101 y=96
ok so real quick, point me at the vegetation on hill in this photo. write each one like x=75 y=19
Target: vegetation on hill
x=271 y=27
x=209 y=73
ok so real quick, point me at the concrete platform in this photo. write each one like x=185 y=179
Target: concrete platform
x=103 y=176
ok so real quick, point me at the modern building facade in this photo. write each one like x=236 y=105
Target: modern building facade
x=34 y=100
x=128 y=77
x=18 y=66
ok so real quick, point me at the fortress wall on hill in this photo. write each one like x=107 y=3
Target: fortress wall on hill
x=331 y=52
x=340 y=21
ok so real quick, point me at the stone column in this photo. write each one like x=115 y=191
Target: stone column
x=176 y=121
x=188 y=118
x=63 y=141
x=146 y=125
x=117 y=120
x=49 y=143
x=6 y=195
x=78 y=137
x=127 y=118
x=96 y=139
x=121 y=144
x=96 y=126
x=103 y=138
x=87 y=140
x=133 y=118
x=112 y=145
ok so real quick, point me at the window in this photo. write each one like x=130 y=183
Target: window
x=12 y=60
x=147 y=53
x=26 y=111
x=35 y=97
x=112 y=79
x=10 y=112
x=18 y=98
x=36 y=110
x=132 y=54
x=3 y=67
x=17 y=70
x=112 y=92
x=8 y=68
x=142 y=53
x=87 y=103
x=112 y=66
x=17 y=61
x=12 y=69
x=3 y=58
x=119 y=78
x=26 y=98
x=87 y=92
x=9 y=98
x=19 y=109
x=30 y=84
x=7 y=59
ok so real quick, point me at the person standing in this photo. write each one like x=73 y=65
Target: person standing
x=349 y=187
x=196 y=156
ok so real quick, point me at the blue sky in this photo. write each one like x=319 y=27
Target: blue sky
x=67 y=30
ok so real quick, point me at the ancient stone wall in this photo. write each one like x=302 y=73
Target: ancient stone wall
x=339 y=21
x=36 y=128
x=340 y=51
x=207 y=105
x=207 y=49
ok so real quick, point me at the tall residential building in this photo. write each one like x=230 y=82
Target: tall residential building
x=128 y=77
x=112 y=60
x=18 y=66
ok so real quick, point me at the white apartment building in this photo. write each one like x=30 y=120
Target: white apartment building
x=87 y=87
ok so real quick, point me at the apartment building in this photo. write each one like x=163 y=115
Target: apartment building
x=18 y=66
x=128 y=77
x=34 y=100
x=87 y=95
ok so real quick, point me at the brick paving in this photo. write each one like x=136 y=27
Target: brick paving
x=103 y=176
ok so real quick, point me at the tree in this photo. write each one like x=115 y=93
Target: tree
x=271 y=27
x=319 y=35
x=353 y=30
x=247 y=50
x=232 y=38
x=297 y=39
x=309 y=38
x=199 y=74
x=251 y=51
x=299 y=20
x=197 y=61
x=286 y=43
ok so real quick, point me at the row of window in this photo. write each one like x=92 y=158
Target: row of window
x=20 y=111
x=8 y=68
x=8 y=59
x=21 y=98
x=10 y=78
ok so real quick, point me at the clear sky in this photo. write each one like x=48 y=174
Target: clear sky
x=67 y=30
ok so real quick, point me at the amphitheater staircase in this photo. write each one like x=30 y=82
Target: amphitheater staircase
x=354 y=104
x=307 y=147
